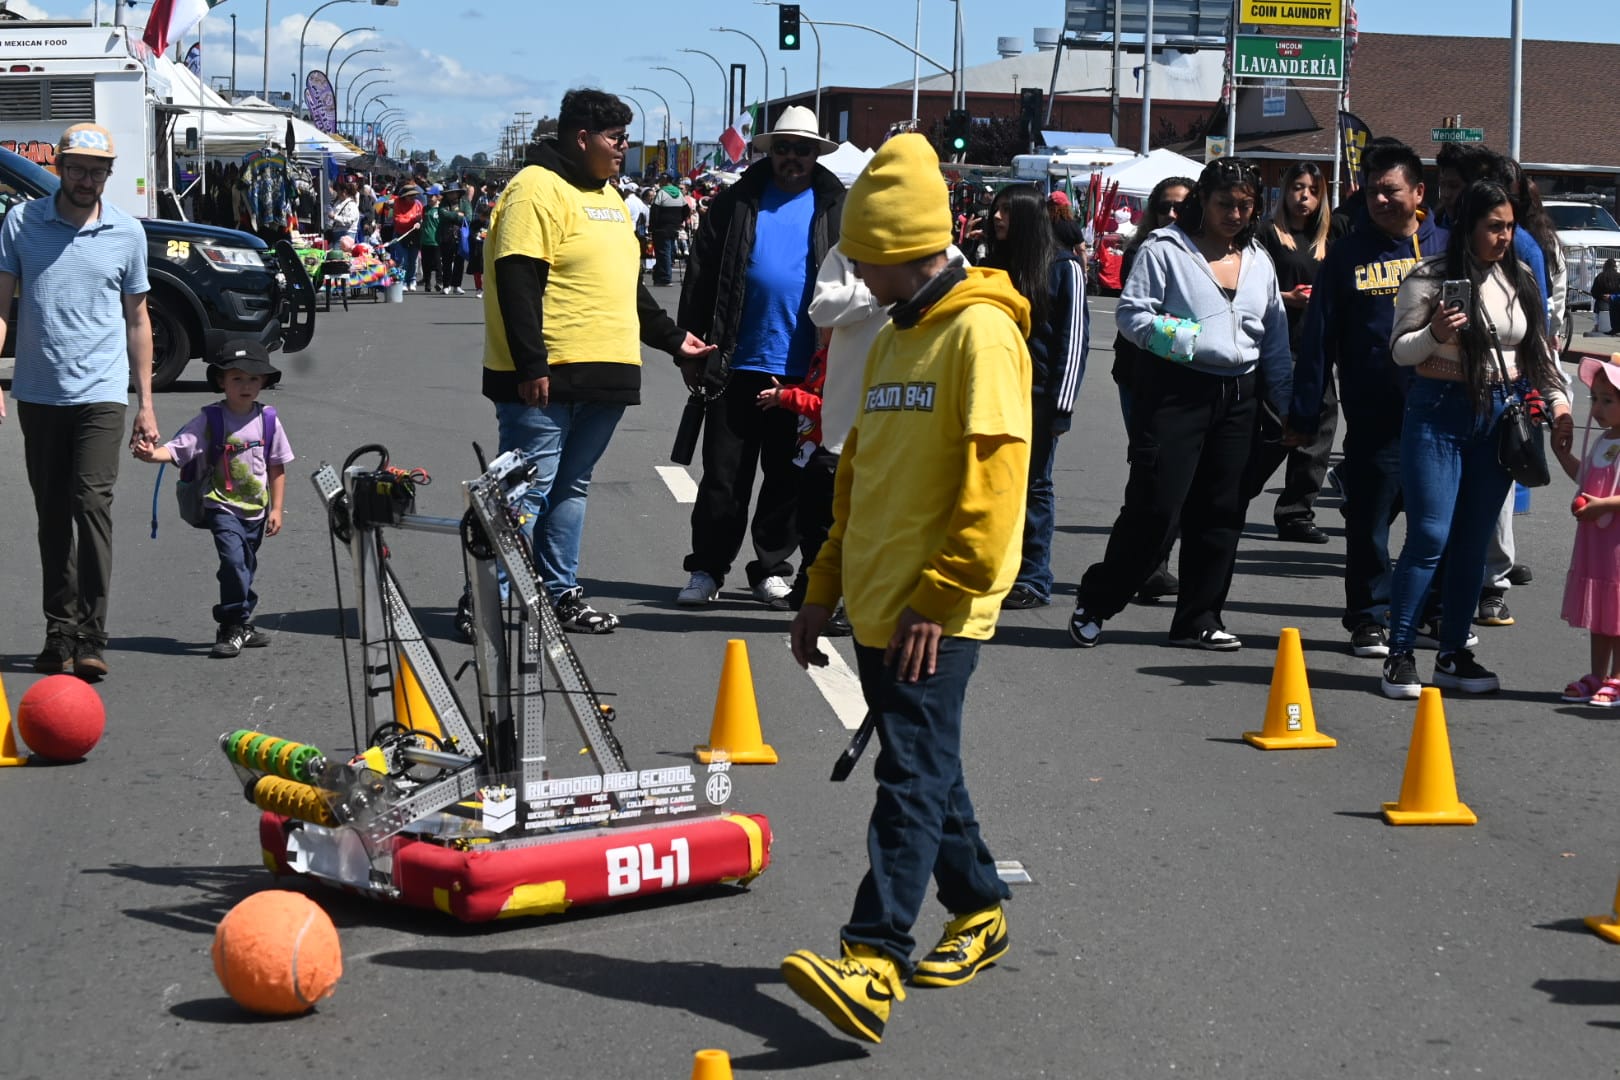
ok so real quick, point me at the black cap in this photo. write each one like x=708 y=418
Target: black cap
x=244 y=355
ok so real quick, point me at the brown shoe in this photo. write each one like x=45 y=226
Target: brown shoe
x=88 y=663
x=56 y=656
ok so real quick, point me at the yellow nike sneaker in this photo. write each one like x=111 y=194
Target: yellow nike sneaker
x=970 y=943
x=854 y=992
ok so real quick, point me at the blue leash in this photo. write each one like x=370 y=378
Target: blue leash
x=155 y=489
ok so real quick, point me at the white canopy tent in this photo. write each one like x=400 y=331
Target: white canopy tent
x=1139 y=175
x=846 y=162
x=225 y=131
x=312 y=141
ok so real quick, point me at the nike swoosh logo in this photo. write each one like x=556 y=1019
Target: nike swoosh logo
x=878 y=991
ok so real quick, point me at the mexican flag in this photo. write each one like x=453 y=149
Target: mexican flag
x=172 y=20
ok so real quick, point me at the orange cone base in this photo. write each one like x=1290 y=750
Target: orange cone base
x=765 y=754
x=1457 y=815
x=1606 y=927
x=1304 y=740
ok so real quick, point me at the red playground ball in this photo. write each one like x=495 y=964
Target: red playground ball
x=61 y=718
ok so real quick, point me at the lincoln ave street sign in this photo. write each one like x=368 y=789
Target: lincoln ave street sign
x=1262 y=57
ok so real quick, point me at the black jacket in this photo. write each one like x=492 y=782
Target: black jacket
x=717 y=269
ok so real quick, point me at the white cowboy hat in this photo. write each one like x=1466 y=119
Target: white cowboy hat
x=797 y=122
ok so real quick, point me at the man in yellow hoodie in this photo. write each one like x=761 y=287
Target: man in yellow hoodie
x=928 y=521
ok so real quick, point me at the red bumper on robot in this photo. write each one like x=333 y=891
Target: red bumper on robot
x=487 y=882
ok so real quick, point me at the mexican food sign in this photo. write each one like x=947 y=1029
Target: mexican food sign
x=1264 y=57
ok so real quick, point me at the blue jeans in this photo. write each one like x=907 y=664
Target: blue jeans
x=1371 y=474
x=1453 y=487
x=237 y=543
x=564 y=443
x=1040 y=507
x=922 y=825
x=664 y=264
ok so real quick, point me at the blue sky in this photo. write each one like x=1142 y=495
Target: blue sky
x=461 y=69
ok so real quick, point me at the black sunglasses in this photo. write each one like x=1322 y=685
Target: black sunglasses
x=797 y=149
x=1166 y=208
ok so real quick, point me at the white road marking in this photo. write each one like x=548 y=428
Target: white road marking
x=840 y=686
x=680 y=483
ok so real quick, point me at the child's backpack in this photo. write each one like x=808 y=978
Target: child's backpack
x=196 y=478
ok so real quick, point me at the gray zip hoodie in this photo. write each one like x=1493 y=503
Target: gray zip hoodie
x=1171 y=277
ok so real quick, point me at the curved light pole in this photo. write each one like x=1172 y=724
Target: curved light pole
x=348 y=96
x=360 y=90
x=340 y=37
x=368 y=86
x=725 y=86
x=765 y=118
x=691 y=126
x=660 y=97
x=643 y=109
x=376 y=97
x=298 y=89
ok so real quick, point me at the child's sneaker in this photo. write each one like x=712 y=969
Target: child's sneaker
x=855 y=992
x=578 y=617
x=228 y=641
x=970 y=943
x=256 y=638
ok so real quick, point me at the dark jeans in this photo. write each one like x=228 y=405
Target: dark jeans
x=1040 y=507
x=451 y=265
x=430 y=266
x=1371 y=471
x=815 y=511
x=237 y=542
x=922 y=825
x=738 y=436
x=72 y=454
x=1190 y=439
x=664 y=264
x=1306 y=466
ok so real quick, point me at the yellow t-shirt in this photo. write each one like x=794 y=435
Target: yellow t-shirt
x=921 y=520
x=590 y=243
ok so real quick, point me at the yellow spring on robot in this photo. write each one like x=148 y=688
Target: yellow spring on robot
x=265 y=753
x=292 y=799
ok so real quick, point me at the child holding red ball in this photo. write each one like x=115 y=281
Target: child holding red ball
x=1592 y=589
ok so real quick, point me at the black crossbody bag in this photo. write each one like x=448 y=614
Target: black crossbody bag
x=1521 y=443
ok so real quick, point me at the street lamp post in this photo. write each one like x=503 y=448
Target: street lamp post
x=348 y=97
x=299 y=84
x=340 y=37
x=725 y=86
x=369 y=85
x=383 y=98
x=233 y=50
x=360 y=90
x=665 y=100
x=643 y=108
x=691 y=127
x=766 y=117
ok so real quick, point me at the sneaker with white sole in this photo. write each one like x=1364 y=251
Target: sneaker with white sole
x=1400 y=679
x=578 y=617
x=855 y=991
x=1212 y=638
x=773 y=592
x=1427 y=635
x=700 y=589
x=1370 y=639
x=1460 y=671
x=1084 y=627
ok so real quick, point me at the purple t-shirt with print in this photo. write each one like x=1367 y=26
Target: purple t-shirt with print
x=245 y=488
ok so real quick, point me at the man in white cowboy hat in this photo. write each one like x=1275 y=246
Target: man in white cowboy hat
x=83 y=336
x=748 y=283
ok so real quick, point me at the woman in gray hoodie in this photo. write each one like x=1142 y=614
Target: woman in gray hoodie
x=1202 y=302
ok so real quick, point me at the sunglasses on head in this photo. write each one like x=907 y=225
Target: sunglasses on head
x=797 y=148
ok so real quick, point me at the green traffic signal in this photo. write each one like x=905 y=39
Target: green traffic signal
x=790 y=40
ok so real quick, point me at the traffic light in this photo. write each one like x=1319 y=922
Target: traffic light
x=787 y=31
x=957 y=124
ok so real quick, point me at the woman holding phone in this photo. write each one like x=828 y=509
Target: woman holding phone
x=1460 y=318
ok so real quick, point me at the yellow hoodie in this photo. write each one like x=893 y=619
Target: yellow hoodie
x=928 y=510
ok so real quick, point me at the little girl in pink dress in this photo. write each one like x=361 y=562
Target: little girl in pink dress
x=1592 y=589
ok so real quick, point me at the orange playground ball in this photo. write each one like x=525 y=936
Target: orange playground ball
x=61 y=718
x=277 y=953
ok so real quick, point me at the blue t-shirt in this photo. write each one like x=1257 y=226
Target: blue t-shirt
x=72 y=340
x=776 y=335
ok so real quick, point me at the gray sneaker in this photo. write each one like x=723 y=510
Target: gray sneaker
x=700 y=589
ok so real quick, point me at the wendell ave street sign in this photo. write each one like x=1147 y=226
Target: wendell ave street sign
x=1263 y=57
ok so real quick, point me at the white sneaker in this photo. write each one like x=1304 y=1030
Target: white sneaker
x=700 y=589
x=773 y=592
x=480 y=294
x=410 y=288
x=459 y=291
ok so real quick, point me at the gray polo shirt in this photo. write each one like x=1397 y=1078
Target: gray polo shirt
x=71 y=336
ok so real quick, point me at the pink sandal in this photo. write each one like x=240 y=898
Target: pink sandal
x=1606 y=696
x=1581 y=690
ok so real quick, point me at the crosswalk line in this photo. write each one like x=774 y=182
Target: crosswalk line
x=679 y=481
x=839 y=685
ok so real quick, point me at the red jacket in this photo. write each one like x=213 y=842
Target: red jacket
x=805 y=398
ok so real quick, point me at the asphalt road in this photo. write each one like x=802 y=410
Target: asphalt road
x=1198 y=908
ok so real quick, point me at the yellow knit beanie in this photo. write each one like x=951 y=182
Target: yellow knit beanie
x=899 y=209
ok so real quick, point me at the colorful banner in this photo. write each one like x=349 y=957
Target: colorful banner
x=321 y=100
x=1324 y=13
x=1264 y=57
x=1353 y=138
x=194 y=59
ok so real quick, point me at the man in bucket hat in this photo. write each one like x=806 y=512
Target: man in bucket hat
x=83 y=336
x=748 y=284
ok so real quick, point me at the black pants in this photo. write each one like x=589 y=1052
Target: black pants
x=72 y=454
x=1190 y=439
x=451 y=264
x=1305 y=466
x=430 y=266
x=738 y=436
x=815 y=513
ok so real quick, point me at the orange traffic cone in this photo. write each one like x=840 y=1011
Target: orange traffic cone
x=8 y=734
x=711 y=1065
x=1290 y=722
x=1429 y=787
x=734 y=735
x=1607 y=926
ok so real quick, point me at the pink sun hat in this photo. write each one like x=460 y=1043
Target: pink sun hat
x=1592 y=365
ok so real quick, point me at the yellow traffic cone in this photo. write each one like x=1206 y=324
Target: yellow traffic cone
x=1429 y=786
x=1290 y=722
x=1607 y=927
x=711 y=1065
x=734 y=735
x=8 y=734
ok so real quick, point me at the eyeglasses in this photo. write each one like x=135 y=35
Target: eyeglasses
x=620 y=139
x=1165 y=209
x=83 y=172
x=797 y=149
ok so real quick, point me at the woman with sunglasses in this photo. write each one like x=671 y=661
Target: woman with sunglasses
x=1202 y=299
x=1297 y=238
x=1021 y=242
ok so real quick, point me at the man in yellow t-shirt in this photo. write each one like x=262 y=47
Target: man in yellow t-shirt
x=563 y=311
x=926 y=538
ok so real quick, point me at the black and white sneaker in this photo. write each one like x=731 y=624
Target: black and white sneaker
x=255 y=638
x=1460 y=671
x=578 y=617
x=1084 y=627
x=1370 y=639
x=1212 y=638
x=228 y=641
x=1400 y=679
x=1427 y=635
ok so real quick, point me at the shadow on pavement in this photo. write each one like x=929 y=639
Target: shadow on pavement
x=160 y=646
x=725 y=995
x=214 y=890
x=222 y=1010
x=1567 y=926
x=1580 y=991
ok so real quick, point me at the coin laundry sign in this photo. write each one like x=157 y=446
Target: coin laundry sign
x=1289 y=58
x=1272 y=13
